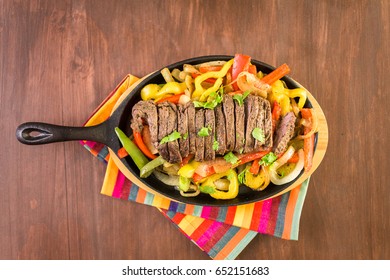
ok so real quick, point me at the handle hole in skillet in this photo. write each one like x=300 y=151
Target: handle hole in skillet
x=35 y=134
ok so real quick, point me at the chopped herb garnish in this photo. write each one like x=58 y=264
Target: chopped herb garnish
x=241 y=176
x=268 y=159
x=258 y=134
x=171 y=137
x=240 y=97
x=185 y=136
x=215 y=145
x=231 y=158
x=214 y=99
x=207 y=189
x=204 y=131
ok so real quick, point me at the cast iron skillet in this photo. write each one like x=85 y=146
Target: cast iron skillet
x=36 y=133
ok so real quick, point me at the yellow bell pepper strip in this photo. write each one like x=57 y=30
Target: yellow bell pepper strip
x=149 y=91
x=199 y=90
x=153 y=91
x=188 y=169
x=279 y=94
x=208 y=91
x=208 y=185
x=257 y=182
x=134 y=152
x=300 y=93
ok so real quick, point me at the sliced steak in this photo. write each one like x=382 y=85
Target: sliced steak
x=182 y=128
x=251 y=114
x=220 y=130
x=284 y=133
x=267 y=125
x=146 y=111
x=260 y=124
x=239 y=111
x=228 y=110
x=209 y=153
x=199 y=140
x=173 y=146
x=163 y=113
x=190 y=110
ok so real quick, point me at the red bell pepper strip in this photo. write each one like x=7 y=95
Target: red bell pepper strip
x=277 y=74
x=173 y=98
x=294 y=158
x=204 y=69
x=308 y=143
x=252 y=156
x=276 y=112
x=141 y=145
x=252 y=69
x=255 y=168
x=241 y=63
x=186 y=160
x=122 y=153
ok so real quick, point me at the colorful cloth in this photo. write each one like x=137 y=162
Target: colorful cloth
x=221 y=232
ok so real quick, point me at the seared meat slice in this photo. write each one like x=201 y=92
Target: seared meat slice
x=228 y=110
x=190 y=109
x=209 y=153
x=267 y=125
x=182 y=128
x=199 y=140
x=240 y=127
x=146 y=111
x=220 y=130
x=163 y=113
x=260 y=123
x=251 y=113
x=284 y=133
x=173 y=146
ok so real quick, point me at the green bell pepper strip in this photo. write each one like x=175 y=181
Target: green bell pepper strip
x=150 y=166
x=134 y=152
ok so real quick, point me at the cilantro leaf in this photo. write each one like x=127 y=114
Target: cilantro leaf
x=214 y=99
x=215 y=145
x=268 y=159
x=258 y=134
x=185 y=136
x=207 y=189
x=204 y=131
x=231 y=158
x=240 y=97
x=171 y=137
x=241 y=176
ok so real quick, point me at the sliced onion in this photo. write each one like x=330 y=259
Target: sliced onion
x=211 y=63
x=190 y=69
x=248 y=81
x=167 y=75
x=176 y=74
x=267 y=177
x=184 y=99
x=276 y=180
x=167 y=179
x=222 y=184
x=194 y=191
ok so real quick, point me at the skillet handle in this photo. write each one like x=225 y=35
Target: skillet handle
x=37 y=133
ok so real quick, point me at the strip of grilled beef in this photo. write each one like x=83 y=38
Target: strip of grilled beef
x=190 y=110
x=146 y=111
x=220 y=130
x=199 y=140
x=228 y=110
x=251 y=113
x=163 y=114
x=284 y=133
x=182 y=128
x=209 y=153
x=260 y=123
x=173 y=146
x=239 y=111
x=267 y=125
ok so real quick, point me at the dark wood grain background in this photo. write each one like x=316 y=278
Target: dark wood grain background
x=59 y=60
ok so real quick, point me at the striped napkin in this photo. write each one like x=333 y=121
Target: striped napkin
x=221 y=232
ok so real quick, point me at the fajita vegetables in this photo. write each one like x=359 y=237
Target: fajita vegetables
x=220 y=126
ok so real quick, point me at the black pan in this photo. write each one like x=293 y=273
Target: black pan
x=36 y=133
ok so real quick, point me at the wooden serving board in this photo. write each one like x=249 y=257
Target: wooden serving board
x=322 y=144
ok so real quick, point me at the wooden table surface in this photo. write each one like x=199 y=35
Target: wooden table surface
x=59 y=60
